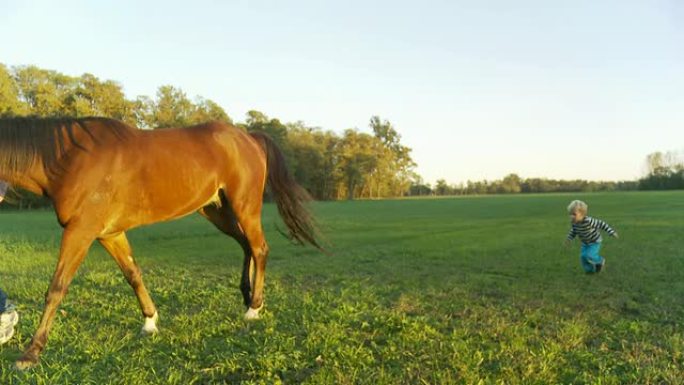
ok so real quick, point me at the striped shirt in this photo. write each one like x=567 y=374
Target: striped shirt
x=589 y=230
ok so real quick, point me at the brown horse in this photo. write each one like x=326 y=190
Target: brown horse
x=105 y=177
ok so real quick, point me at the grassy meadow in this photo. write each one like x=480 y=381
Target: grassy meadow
x=473 y=290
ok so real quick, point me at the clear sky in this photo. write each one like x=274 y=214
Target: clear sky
x=478 y=89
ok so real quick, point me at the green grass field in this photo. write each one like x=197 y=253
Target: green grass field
x=441 y=291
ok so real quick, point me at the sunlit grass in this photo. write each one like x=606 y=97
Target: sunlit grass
x=468 y=290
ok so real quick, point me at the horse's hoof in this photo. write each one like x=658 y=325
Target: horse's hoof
x=149 y=331
x=25 y=363
x=253 y=314
x=150 y=327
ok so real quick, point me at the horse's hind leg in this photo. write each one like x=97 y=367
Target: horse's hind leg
x=223 y=218
x=248 y=213
x=118 y=247
x=240 y=217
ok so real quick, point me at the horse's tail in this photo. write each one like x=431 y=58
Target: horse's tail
x=290 y=197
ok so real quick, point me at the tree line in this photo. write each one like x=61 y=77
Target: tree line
x=665 y=171
x=330 y=166
x=29 y=90
x=514 y=184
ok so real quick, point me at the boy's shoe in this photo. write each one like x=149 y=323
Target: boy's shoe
x=8 y=320
x=599 y=267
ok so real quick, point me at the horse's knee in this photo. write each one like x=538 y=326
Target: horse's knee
x=55 y=293
x=265 y=250
x=134 y=276
x=261 y=255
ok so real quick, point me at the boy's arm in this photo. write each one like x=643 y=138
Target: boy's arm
x=605 y=227
x=571 y=235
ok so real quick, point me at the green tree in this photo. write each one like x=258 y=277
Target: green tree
x=665 y=171
x=257 y=121
x=511 y=184
x=314 y=153
x=394 y=171
x=10 y=104
x=356 y=160
x=419 y=187
x=143 y=112
x=172 y=108
x=206 y=110
x=386 y=133
x=441 y=187
x=47 y=93
x=93 y=97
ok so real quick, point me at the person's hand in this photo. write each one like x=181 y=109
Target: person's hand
x=616 y=235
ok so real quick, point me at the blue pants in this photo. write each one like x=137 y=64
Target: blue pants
x=3 y=301
x=589 y=257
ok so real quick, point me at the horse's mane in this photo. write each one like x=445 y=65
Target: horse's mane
x=23 y=140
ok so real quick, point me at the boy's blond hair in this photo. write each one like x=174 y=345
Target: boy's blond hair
x=577 y=205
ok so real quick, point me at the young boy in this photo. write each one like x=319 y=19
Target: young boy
x=8 y=316
x=589 y=231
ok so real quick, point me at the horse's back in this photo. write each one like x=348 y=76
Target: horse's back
x=155 y=175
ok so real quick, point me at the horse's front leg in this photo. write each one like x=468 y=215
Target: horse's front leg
x=75 y=244
x=118 y=247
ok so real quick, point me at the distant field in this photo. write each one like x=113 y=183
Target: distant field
x=435 y=291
